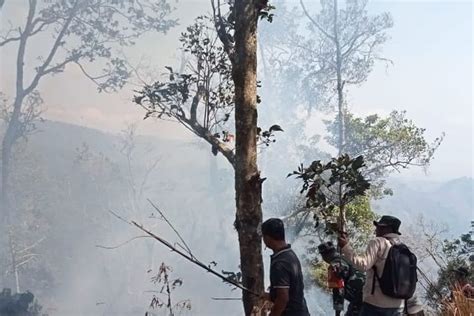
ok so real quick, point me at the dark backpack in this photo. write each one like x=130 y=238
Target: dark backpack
x=399 y=276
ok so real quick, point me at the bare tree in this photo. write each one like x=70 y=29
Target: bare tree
x=128 y=148
x=344 y=52
x=82 y=32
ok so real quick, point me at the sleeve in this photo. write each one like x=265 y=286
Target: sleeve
x=279 y=276
x=367 y=260
x=345 y=272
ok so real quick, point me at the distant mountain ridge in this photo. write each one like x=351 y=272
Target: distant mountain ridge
x=450 y=202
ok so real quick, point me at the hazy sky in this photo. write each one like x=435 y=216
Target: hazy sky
x=431 y=78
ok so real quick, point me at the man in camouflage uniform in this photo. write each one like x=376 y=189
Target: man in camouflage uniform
x=353 y=280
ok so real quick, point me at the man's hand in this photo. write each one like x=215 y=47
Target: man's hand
x=342 y=240
x=281 y=300
x=266 y=296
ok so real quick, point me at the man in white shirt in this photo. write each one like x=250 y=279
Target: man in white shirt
x=375 y=303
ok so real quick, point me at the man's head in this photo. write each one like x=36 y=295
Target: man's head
x=387 y=225
x=327 y=251
x=273 y=232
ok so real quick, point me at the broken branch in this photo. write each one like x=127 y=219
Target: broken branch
x=193 y=260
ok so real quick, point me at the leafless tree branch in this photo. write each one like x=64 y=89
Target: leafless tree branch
x=172 y=227
x=313 y=21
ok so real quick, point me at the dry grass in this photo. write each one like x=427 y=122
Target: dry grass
x=460 y=305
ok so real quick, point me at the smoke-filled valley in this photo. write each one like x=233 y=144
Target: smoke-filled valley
x=177 y=116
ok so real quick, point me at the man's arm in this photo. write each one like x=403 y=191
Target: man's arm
x=365 y=261
x=281 y=300
x=280 y=280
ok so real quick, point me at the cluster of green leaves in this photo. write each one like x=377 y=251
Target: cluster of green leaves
x=331 y=187
x=265 y=12
x=96 y=29
x=334 y=183
x=201 y=95
x=387 y=143
x=203 y=92
x=267 y=137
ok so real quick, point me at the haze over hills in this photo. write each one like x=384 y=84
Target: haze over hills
x=449 y=202
x=190 y=184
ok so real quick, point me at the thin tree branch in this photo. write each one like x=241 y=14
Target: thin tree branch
x=120 y=217
x=10 y=39
x=316 y=23
x=25 y=261
x=58 y=67
x=147 y=175
x=194 y=260
x=121 y=244
x=224 y=37
x=57 y=43
x=32 y=246
x=172 y=227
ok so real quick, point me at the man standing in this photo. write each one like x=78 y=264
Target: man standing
x=286 y=277
x=353 y=280
x=375 y=302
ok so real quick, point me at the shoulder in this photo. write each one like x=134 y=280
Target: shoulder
x=288 y=256
x=279 y=264
x=377 y=242
x=285 y=262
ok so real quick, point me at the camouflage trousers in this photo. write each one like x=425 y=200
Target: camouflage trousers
x=354 y=308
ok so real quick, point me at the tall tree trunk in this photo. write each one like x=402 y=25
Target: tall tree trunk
x=247 y=178
x=8 y=142
x=340 y=84
x=12 y=134
x=340 y=110
x=14 y=261
x=4 y=198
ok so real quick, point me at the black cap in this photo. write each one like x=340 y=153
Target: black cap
x=389 y=221
x=326 y=247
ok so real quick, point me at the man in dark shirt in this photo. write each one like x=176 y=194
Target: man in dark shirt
x=286 y=277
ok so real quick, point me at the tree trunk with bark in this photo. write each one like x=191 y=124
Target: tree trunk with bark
x=340 y=83
x=340 y=110
x=248 y=183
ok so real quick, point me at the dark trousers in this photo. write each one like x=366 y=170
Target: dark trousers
x=354 y=309
x=371 y=310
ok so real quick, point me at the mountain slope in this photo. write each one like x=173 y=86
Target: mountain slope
x=448 y=203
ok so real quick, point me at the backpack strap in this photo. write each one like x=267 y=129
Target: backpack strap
x=373 y=280
x=391 y=242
